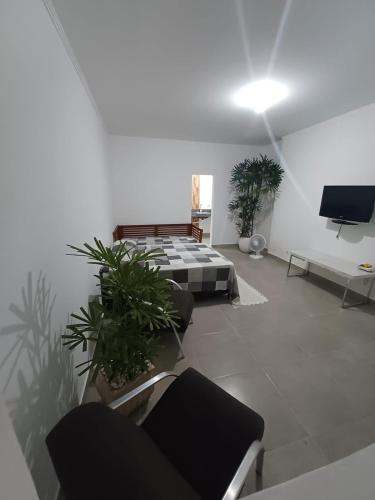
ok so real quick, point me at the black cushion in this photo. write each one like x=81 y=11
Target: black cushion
x=100 y=454
x=183 y=304
x=203 y=431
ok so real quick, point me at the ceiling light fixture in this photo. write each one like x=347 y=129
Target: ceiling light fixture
x=260 y=95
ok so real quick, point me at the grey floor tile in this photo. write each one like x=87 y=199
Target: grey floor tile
x=208 y=319
x=306 y=365
x=292 y=460
x=363 y=351
x=315 y=336
x=352 y=377
x=223 y=353
x=314 y=395
x=279 y=314
x=272 y=345
x=359 y=389
x=191 y=339
x=347 y=439
x=359 y=323
x=281 y=424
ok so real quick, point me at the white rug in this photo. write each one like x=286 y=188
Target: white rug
x=248 y=295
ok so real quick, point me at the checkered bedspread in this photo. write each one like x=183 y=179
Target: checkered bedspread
x=195 y=266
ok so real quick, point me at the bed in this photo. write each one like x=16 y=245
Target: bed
x=194 y=265
x=154 y=230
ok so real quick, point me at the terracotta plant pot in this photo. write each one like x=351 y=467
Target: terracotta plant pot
x=109 y=394
x=244 y=244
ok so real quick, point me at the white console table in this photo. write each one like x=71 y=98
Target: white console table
x=348 y=270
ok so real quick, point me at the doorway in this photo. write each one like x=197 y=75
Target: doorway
x=201 y=205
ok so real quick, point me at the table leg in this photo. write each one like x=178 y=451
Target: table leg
x=305 y=271
x=366 y=301
x=370 y=290
x=345 y=294
x=290 y=263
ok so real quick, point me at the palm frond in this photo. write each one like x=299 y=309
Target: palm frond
x=135 y=300
x=252 y=181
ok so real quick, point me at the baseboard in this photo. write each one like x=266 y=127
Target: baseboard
x=225 y=245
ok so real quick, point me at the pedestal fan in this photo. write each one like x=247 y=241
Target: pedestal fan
x=257 y=244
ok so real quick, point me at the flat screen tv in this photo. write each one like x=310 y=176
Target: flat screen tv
x=348 y=203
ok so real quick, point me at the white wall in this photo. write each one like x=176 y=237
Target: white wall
x=338 y=151
x=53 y=191
x=151 y=180
x=15 y=478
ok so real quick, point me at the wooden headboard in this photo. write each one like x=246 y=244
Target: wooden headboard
x=138 y=231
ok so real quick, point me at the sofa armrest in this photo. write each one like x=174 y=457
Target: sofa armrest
x=174 y=283
x=254 y=454
x=149 y=383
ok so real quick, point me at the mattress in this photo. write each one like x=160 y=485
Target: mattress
x=194 y=266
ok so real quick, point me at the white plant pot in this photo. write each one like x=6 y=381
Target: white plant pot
x=244 y=244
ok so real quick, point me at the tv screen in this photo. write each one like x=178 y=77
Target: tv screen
x=348 y=203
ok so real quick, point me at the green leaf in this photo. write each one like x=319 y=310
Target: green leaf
x=252 y=181
x=135 y=299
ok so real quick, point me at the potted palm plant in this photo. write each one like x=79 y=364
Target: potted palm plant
x=135 y=302
x=254 y=182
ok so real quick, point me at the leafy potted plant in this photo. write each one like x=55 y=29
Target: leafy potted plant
x=135 y=302
x=254 y=182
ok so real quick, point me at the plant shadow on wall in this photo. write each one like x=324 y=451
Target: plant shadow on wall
x=44 y=372
x=254 y=184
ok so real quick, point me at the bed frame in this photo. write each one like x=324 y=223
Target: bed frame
x=138 y=231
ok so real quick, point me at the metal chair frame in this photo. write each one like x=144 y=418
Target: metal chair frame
x=254 y=455
x=179 y=287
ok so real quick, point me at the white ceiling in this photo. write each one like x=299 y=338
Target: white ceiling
x=168 y=68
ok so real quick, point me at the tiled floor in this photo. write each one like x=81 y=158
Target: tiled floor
x=306 y=365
